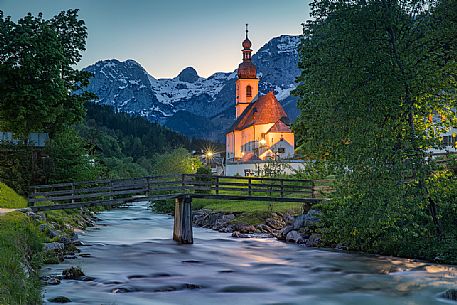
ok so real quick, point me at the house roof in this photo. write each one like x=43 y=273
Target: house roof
x=265 y=109
x=279 y=126
x=249 y=156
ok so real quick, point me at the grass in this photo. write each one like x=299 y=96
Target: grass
x=247 y=212
x=10 y=199
x=20 y=248
x=246 y=206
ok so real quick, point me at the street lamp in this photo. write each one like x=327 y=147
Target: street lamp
x=209 y=156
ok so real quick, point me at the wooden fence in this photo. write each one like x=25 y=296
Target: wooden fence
x=112 y=192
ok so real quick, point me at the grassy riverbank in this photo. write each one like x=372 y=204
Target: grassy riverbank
x=248 y=212
x=21 y=244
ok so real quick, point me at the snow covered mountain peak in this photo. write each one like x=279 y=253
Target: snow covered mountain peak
x=188 y=75
x=128 y=87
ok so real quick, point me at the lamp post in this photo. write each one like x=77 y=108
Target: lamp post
x=209 y=155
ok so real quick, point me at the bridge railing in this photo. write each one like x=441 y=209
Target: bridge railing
x=259 y=187
x=102 y=192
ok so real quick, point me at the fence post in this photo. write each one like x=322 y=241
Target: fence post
x=183 y=182
x=217 y=185
x=250 y=186
x=72 y=193
x=111 y=190
x=148 y=192
x=182 y=229
x=31 y=204
x=312 y=189
x=282 y=188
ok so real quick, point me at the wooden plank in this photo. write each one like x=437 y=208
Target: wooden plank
x=254 y=184
x=246 y=178
x=252 y=190
x=258 y=198
x=82 y=196
x=100 y=181
x=86 y=190
x=77 y=205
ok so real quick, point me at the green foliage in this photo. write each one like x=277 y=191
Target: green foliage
x=10 y=199
x=246 y=206
x=124 y=168
x=164 y=206
x=20 y=244
x=37 y=74
x=17 y=167
x=70 y=161
x=178 y=161
x=374 y=74
x=136 y=137
x=132 y=146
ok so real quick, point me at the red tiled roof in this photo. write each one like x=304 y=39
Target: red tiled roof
x=266 y=109
x=249 y=156
x=279 y=126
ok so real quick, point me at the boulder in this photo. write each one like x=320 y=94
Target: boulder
x=305 y=220
x=295 y=237
x=60 y=299
x=283 y=233
x=55 y=246
x=223 y=221
x=298 y=222
x=247 y=229
x=53 y=233
x=72 y=273
x=313 y=240
x=275 y=223
x=450 y=294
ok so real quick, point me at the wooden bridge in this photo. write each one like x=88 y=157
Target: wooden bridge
x=182 y=188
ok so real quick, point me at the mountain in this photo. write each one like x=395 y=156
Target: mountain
x=188 y=103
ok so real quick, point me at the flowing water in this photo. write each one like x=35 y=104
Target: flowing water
x=133 y=261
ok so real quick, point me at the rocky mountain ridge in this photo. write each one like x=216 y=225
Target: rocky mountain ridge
x=188 y=103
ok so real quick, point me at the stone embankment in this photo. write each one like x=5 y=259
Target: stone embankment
x=62 y=239
x=296 y=229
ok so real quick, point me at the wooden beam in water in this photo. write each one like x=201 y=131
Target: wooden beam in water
x=182 y=231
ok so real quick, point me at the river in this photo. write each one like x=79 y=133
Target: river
x=133 y=261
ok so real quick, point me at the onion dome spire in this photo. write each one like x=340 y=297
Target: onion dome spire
x=246 y=46
x=247 y=69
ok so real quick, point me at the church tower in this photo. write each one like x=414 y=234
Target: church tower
x=247 y=85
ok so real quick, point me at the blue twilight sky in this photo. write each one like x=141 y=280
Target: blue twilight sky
x=166 y=36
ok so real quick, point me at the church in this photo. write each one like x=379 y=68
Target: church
x=261 y=130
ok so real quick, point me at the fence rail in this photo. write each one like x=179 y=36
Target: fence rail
x=109 y=192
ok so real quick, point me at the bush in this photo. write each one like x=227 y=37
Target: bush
x=70 y=160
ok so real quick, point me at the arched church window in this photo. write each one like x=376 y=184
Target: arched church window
x=248 y=91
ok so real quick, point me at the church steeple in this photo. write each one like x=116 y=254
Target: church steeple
x=247 y=69
x=246 y=46
x=247 y=85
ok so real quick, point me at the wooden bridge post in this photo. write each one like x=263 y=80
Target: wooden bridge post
x=182 y=231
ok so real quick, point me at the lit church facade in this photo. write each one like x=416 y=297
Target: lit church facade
x=261 y=130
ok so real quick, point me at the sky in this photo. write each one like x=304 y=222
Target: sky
x=165 y=36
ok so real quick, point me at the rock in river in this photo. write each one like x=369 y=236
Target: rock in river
x=72 y=273
x=450 y=294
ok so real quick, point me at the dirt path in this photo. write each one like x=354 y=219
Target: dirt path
x=4 y=211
